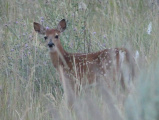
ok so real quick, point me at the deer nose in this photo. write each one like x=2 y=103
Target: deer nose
x=50 y=44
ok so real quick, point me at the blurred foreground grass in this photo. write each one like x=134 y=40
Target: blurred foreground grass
x=29 y=86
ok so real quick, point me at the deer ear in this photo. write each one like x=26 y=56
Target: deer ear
x=39 y=28
x=62 y=25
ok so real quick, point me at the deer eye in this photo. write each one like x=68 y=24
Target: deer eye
x=56 y=36
x=45 y=37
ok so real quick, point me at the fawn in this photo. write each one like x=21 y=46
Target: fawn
x=82 y=68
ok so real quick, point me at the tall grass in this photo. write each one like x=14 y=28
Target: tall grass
x=144 y=102
x=29 y=85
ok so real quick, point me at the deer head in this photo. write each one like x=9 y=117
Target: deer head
x=51 y=36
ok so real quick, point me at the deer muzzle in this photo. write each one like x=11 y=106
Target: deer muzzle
x=51 y=44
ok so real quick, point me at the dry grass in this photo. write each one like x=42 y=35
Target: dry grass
x=29 y=85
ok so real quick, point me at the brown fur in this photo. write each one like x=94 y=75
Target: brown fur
x=85 y=68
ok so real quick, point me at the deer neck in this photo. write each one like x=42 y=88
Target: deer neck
x=58 y=56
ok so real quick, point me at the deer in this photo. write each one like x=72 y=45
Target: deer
x=83 y=68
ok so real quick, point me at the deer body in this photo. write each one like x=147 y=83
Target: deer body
x=83 y=68
x=88 y=65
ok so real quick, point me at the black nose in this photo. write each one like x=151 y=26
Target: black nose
x=50 y=44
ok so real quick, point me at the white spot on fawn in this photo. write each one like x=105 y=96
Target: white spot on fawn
x=122 y=56
x=56 y=34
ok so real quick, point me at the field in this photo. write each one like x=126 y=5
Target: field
x=29 y=84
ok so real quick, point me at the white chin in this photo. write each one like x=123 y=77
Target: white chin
x=52 y=49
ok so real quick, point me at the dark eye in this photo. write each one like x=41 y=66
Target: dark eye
x=56 y=36
x=45 y=37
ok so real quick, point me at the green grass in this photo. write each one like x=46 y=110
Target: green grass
x=29 y=85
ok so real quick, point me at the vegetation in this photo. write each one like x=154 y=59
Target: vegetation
x=29 y=85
